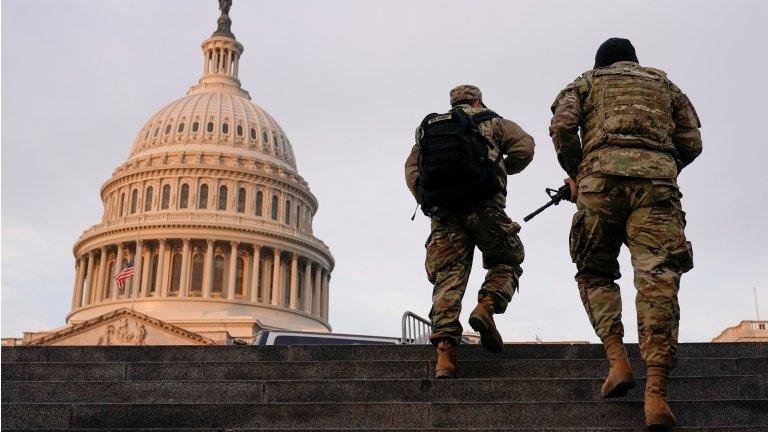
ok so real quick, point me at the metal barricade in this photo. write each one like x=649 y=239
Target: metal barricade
x=416 y=330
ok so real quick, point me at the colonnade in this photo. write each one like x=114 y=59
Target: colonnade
x=203 y=268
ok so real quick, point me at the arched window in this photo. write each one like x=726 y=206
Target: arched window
x=175 y=274
x=222 y=198
x=274 y=207
x=225 y=128
x=202 y=201
x=259 y=203
x=253 y=133
x=298 y=217
x=287 y=212
x=240 y=276
x=265 y=137
x=239 y=130
x=152 y=273
x=166 y=199
x=218 y=275
x=209 y=128
x=157 y=130
x=167 y=129
x=285 y=277
x=134 y=200
x=122 y=202
x=181 y=128
x=148 y=199
x=196 y=288
x=195 y=126
x=184 y=196
x=241 y=200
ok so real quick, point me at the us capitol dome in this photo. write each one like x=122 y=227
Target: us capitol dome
x=212 y=213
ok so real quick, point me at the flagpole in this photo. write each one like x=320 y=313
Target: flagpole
x=757 y=309
x=136 y=254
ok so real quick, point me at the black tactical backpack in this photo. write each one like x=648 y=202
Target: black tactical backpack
x=455 y=170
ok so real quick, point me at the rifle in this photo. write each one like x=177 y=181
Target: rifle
x=555 y=196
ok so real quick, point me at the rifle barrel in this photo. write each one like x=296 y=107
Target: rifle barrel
x=539 y=210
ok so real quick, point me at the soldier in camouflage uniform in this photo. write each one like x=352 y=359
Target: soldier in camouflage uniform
x=638 y=130
x=454 y=235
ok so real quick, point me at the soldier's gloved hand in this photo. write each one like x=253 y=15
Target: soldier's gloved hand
x=574 y=188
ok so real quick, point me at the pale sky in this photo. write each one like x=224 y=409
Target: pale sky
x=349 y=81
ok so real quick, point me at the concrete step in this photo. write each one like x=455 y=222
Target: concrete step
x=475 y=390
x=350 y=352
x=384 y=369
x=636 y=429
x=441 y=416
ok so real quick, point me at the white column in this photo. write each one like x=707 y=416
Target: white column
x=276 y=278
x=184 y=281
x=103 y=262
x=232 y=270
x=294 y=294
x=208 y=269
x=255 y=273
x=91 y=278
x=237 y=65
x=76 y=286
x=325 y=296
x=118 y=268
x=147 y=257
x=159 y=277
x=138 y=257
x=307 y=286
x=205 y=62
x=316 y=294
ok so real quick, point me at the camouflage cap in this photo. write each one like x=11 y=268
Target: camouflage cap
x=465 y=92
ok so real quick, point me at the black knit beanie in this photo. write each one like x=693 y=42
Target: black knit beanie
x=615 y=50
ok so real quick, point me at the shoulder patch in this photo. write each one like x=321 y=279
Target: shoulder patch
x=439 y=118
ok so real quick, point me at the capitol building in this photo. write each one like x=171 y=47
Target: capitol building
x=212 y=213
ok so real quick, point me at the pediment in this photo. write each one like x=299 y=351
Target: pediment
x=122 y=327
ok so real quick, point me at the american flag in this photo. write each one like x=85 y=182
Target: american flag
x=124 y=274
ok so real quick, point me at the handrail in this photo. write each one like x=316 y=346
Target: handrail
x=416 y=330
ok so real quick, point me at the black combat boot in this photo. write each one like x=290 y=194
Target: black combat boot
x=658 y=415
x=446 y=360
x=620 y=378
x=481 y=320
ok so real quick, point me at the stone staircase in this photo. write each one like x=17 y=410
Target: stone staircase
x=716 y=387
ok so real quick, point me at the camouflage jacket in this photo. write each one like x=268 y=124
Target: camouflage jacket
x=633 y=121
x=508 y=137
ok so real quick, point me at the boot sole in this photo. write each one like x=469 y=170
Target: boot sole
x=445 y=375
x=622 y=389
x=661 y=424
x=490 y=339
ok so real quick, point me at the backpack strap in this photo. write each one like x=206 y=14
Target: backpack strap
x=484 y=116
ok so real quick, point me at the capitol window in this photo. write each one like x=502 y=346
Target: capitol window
x=239 y=130
x=166 y=199
x=195 y=126
x=197 y=275
x=175 y=274
x=202 y=202
x=209 y=128
x=225 y=128
x=259 y=203
x=265 y=137
x=167 y=129
x=184 y=196
x=298 y=217
x=239 y=280
x=287 y=212
x=218 y=276
x=152 y=279
x=181 y=128
x=222 y=198
x=274 y=207
x=157 y=130
x=134 y=200
x=241 y=200
x=253 y=133
x=148 y=199
x=122 y=202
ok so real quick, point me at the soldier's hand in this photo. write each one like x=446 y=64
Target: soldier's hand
x=574 y=188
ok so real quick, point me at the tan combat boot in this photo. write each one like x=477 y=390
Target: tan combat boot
x=481 y=320
x=620 y=378
x=658 y=415
x=446 y=360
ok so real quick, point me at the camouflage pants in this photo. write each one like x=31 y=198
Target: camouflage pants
x=646 y=215
x=450 y=250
